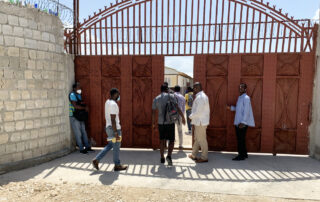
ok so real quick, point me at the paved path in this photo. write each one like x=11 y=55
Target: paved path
x=296 y=177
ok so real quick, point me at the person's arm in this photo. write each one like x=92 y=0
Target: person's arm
x=73 y=99
x=246 y=112
x=114 y=125
x=196 y=108
x=153 y=118
x=181 y=114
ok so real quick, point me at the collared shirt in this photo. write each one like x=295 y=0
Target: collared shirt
x=181 y=101
x=243 y=110
x=200 y=115
x=111 y=108
x=160 y=103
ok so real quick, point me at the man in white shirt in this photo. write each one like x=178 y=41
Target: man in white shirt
x=200 y=118
x=243 y=119
x=113 y=130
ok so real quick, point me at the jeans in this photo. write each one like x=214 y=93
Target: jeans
x=79 y=130
x=241 y=139
x=115 y=145
x=188 y=120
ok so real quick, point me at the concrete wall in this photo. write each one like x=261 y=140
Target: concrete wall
x=35 y=79
x=314 y=128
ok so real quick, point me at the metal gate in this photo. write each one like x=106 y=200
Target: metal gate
x=232 y=41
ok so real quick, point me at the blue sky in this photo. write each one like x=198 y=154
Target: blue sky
x=299 y=9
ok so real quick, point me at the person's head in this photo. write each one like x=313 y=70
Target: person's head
x=76 y=87
x=114 y=94
x=164 y=88
x=242 y=88
x=189 y=89
x=177 y=89
x=197 y=87
x=166 y=83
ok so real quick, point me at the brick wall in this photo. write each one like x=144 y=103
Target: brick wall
x=35 y=79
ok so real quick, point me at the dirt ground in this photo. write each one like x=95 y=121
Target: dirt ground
x=32 y=190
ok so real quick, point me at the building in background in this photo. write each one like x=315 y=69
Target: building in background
x=174 y=77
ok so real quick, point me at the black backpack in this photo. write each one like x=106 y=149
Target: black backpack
x=80 y=114
x=171 y=113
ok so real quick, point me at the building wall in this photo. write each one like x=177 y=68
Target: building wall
x=314 y=129
x=35 y=79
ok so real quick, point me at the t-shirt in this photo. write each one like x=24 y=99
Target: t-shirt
x=159 y=103
x=73 y=97
x=111 y=107
x=187 y=98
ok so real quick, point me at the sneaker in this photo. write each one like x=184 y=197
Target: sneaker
x=238 y=158
x=95 y=164
x=120 y=167
x=169 y=160
x=162 y=160
x=83 y=151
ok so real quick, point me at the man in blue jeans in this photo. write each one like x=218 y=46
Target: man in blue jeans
x=78 y=127
x=113 y=130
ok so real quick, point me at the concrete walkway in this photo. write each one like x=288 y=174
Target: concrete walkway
x=295 y=177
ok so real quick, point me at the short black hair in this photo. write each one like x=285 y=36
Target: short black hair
x=189 y=89
x=166 y=83
x=75 y=85
x=114 y=91
x=244 y=85
x=164 y=88
x=177 y=88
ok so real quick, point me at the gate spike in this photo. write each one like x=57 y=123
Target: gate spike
x=274 y=6
x=100 y=10
x=110 y=4
x=287 y=14
x=280 y=10
x=268 y=3
x=94 y=13
x=105 y=7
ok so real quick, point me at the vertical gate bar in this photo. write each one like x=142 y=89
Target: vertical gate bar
x=252 y=28
x=145 y=28
x=117 y=31
x=191 y=27
x=90 y=40
x=100 y=37
x=140 y=34
x=268 y=102
x=209 y=36
x=134 y=29
x=106 y=28
x=234 y=25
x=162 y=28
x=295 y=42
x=185 y=27
x=179 y=27
x=173 y=25
x=215 y=28
x=168 y=17
x=258 y=42
x=265 y=34
x=302 y=39
x=271 y=35
x=128 y=30
x=284 y=39
x=239 y=42
x=228 y=24
x=80 y=43
x=290 y=37
x=122 y=32
x=277 y=39
x=246 y=32
x=197 y=36
x=156 y=27
x=111 y=28
x=221 y=30
x=95 y=38
x=204 y=22
x=150 y=31
x=85 y=42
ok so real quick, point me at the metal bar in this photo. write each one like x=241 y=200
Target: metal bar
x=271 y=32
x=128 y=30
x=210 y=16
x=277 y=39
x=283 y=39
x=90 y=41
x=228 y=24
x=258 y=41
x=215 y=28
x=134 y=29
x=295 y=42
x=185 y=29
x=246 y=31
x=221 y=31
x=289 y=45
x=117 y=31
x=111 y=28
x=162 y=28
x=265 y=35
x=174 y=14
x=122 y=32
x=100 y=38
x=150 y=27
x=204 y=21
x=239 y=44
x=157 y=26
x=191 y=26
x=145 y=28
x=107 y=53
x=252 y=28
x=168 y=17
x=302 y=39
x=197 y=36
x=179 y=27
x=139 y=50
x=85 y=43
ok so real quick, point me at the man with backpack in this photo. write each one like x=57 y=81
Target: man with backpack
x=189 y=101
x=181 y=103
x=78 y=114
x=168 y=113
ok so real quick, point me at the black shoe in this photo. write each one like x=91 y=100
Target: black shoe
x=83 y=151
x=120 y=167
x=238 y=158
x=90 y=150
x=162 y=160
x=246 y=156
x=95 y=164
x=169 y=160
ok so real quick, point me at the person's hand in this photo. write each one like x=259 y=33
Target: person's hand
x=117 y=136
x=189 y=119
x=228 y=107
x=153 y=126
x=241 y=125
x=183 y=121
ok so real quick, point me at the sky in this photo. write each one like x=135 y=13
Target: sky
x=299 y=9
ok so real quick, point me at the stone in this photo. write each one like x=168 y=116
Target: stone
x=23 y=22
x=10 y=105
x=4 y=138
x=28 y=74
x=9 y=40
x=19 y=42
x=33 y=54
x=31 y=64
x=9 y=127
x=30 y=104
x=27 y=33
x=4 y=95
x=45 y=36
x=24 y=53
x=13 y=51
x=15 y=95
x=11 y=148
x=32 y=24
x=18 y=115
x=3 y=18
x=29 y=124
x=20 y=125
x=4 y=61
x=18 y=31
x=22 y=84
x=25 y=95
x=15 y=137
x=25 y=135
x=28 y=114
x=8 y=73
x=36 y=34
x=30 y=43
x=3 y=51
x=8 y=116
x=21 y=105
x=13 y=20
x=6 y=29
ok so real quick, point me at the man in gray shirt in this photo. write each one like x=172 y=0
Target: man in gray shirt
x=166 y=124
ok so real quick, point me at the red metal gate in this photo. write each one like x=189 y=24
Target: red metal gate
x=232 y=41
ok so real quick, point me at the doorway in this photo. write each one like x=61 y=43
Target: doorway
x=178 y=71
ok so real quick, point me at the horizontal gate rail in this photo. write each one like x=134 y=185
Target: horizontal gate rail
x=189 y=27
